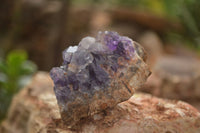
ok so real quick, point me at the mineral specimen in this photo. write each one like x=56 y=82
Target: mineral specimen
x=98 y=74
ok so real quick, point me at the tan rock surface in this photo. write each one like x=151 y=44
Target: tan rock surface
x=34 y=110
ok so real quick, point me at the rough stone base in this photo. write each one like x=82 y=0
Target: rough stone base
x=35 y=110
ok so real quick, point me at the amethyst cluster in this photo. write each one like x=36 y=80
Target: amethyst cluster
x=98 y=74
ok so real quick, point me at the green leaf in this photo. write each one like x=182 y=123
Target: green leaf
x=14 y=62
x=15 y=72
x=2 y=66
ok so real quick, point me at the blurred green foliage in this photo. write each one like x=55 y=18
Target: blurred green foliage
x=15 y=72
x=188 y=13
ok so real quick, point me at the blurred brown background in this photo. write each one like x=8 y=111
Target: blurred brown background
x=44 y=28
x=168 y=30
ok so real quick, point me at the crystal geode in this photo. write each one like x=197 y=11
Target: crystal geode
x=98 y=74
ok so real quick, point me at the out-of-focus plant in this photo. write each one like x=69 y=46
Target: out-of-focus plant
x=187 y=11
x=15 y=72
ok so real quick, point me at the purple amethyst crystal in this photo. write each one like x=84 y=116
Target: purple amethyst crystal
x=98 y=74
